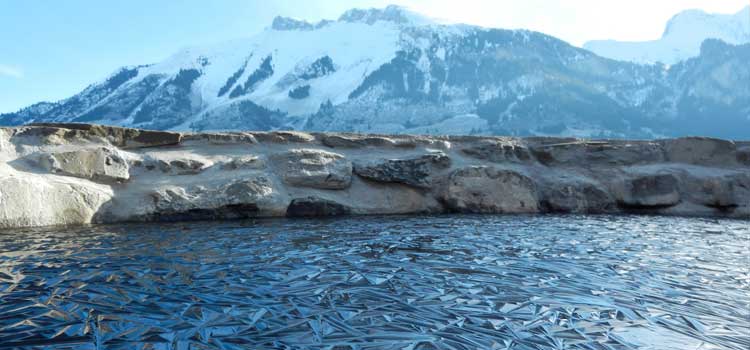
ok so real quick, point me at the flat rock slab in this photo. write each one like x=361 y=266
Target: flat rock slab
x=99 y=164
x=660 y=190
x=121 y=137
x=576 y=197
x=700 y=151
x=598 y=153
x=499 y=151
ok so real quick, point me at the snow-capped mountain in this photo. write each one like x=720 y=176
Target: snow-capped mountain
x=393 y=71
x=682 y=38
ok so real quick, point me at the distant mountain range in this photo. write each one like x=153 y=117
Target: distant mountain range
x=681 y=40
x=393 y=71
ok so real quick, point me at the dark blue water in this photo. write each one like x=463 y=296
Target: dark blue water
x=448 y=282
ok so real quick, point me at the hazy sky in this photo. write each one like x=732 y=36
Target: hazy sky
x=52 y=49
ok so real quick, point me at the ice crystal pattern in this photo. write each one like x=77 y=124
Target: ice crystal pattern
x=449 y=282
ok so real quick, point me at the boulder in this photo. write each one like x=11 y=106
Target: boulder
x=743 y=155
x=411 y=171
x=31 y=200
x=701 y=151
x=481 y=189
x=499 y=151
x=576 y=197
x=652 y=190
x=239 y=199
x=313 y=206
x=244 y=163
x=720 y=192
x=717 y=193
x=99 y=164
x=313 y=168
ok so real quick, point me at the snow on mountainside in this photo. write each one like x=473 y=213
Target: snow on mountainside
x=394 y=71
x=682 y=38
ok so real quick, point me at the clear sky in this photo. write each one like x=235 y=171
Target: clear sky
x=52 y=49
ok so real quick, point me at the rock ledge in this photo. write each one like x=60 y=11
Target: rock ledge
x=60 y=174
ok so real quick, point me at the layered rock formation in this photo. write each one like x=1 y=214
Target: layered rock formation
x=54 y=174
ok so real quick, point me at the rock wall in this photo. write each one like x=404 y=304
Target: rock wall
x=54 y=174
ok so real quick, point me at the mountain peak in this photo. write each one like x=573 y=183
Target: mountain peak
x=681 y=39
x=398 y=15
x=391 y=13
x=288 y=23
x=734 y=27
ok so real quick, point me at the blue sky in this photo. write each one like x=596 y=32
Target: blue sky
x=51 y=49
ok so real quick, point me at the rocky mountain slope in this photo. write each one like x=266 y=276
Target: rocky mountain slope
x=682 y=38
x=393 y=71
x=79 y=173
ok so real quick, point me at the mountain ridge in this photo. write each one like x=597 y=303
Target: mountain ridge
x=392 y=71
x=682 y=37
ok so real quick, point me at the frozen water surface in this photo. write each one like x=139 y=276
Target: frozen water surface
x=446 y=282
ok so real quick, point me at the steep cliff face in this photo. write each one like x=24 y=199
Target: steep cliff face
x=393 y=71
x=80 y=173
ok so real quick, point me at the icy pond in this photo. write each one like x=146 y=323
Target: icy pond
x=430 y=282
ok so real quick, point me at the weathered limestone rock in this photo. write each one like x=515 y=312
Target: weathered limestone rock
x=700 y=151
x=238 y=199
x=99 y=164
x=222 y=138
x=177 y=164
x=46 y=135
x=295 y=136
x=32 y=200
x=5 y=145
x=314 y=168
x=313 y=206
x=185 y=166
x=720 y=192
x=356 y=141
x=120 y=137
x=576 y=197
x=600 y=153
x=740 y=184
x=413 y=171
x=499 y=151
x=262 y=174
x=660 y=190
x=283 y=137
x=244 y=163
x=717 y=193
x=482 y=189
x=743 y=155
